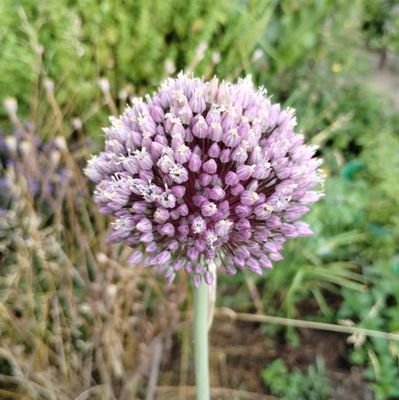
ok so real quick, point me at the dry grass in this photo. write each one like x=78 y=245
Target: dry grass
x=75 y=321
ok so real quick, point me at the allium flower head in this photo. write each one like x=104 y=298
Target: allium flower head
x=202 y=172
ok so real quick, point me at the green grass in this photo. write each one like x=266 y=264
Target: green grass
x=133 y=47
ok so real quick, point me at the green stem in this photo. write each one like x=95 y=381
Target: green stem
x=201 y=342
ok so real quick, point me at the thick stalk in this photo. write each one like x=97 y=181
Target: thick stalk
x=201 y=352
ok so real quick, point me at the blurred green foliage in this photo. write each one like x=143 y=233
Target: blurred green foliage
x=307 y=38
x=312 y=384
x=133 y=45
x=381 y=24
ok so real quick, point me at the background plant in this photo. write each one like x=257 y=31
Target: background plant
x=89 y=48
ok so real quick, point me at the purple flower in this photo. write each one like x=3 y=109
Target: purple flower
x=38 y=162
x=203 y=172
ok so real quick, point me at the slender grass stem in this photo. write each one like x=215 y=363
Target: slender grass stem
x=300 y=323
x=201 y=352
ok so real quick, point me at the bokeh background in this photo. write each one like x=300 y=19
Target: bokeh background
x=76 y=322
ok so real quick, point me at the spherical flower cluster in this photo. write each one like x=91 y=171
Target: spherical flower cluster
x=205 y=172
